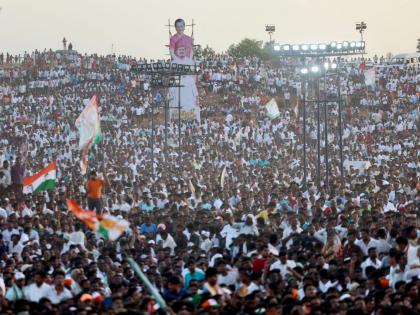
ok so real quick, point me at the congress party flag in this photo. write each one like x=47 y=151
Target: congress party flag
x=88 y=124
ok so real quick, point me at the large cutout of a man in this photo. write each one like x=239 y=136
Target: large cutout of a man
x=181 y=50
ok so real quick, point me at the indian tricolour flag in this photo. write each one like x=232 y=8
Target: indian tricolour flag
x=109 y=226
x=88 y=124
x=44 y=180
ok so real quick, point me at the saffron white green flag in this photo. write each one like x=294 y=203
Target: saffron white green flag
x=44 y=180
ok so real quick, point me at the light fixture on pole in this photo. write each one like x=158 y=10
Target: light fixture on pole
x=270 y=29
x=361 y=28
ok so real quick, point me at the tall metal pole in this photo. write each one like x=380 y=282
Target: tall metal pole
x=326 y=184
x=179 y=121
x=305 y=166
x=340 y=127
x=166 y=104
x=318 y=137
x=153 y=141
x=361 y=35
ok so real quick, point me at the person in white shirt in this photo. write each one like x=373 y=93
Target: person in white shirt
x=37 y=290
x=57 y=293
x=409 y=251
x=226 y=274
x=6 y=171
x=324 y=282
x=229 y=233
x=248 y=227
x=382 y=245
x=365 y=242
x=388 y=205
x=166 y=241
x=206 y=242
x=285 y=265
x=371 y=261
x=77 y=237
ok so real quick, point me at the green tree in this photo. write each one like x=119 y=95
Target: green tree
x=204 y=52
x=208 y=52
x=246 y=48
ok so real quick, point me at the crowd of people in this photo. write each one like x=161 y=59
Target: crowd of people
x=226 y=223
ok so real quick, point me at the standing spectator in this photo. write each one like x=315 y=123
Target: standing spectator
x=94 y=188
x=17 y=174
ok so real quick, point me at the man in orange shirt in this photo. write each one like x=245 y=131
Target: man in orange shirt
x=94 y=188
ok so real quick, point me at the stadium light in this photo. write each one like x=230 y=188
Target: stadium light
x=314 y=69
x=318 y=69
x=361 y=28
x=334 y=48
x=270 y=29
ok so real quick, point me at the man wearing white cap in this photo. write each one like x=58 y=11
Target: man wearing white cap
x=15 y=292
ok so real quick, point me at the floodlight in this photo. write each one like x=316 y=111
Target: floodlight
x=326 y=65
x=333 y=44
x=314 y=47
x=304 y=71
x=305 y=47
x=322 y=46
x=333 y=66
x=352 y=44
x=295 y=47
x=339 y=46
x=286 y=47
x=277 y=47
x=345 y=45
x=314 y=69
x=358 y=44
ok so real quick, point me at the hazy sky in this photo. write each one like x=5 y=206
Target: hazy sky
x=136 y=27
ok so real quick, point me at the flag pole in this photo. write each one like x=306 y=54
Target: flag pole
x=155 y=293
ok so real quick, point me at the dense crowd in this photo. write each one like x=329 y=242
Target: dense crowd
x=255 y=240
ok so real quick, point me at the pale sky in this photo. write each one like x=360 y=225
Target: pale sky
x=136 y=27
